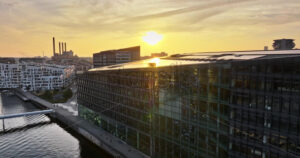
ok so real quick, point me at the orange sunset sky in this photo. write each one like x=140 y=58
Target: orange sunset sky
x=89 y=26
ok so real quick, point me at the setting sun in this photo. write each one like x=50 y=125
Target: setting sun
x=152 y=38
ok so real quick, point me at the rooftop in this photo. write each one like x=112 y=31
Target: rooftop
x=129 y=49
x=202 y=58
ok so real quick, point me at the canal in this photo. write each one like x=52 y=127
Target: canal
x=39 y=135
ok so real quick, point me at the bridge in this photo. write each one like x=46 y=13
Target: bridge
x=16 y=91
x=4 y=89
x=8 y=116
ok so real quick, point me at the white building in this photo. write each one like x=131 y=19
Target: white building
x=35 y=76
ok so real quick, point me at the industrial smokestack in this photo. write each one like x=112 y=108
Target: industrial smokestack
x=62 y=47
x=65 y=46
x=59 y=48
x=53 y=46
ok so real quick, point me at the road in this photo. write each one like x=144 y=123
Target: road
x=71 y=104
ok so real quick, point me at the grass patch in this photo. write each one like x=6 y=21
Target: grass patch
x=56 y=96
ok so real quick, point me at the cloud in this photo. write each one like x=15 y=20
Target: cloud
x=186 y=10
x=129 y=24
x=123 y=19
x=84 y=16
x=262 y=13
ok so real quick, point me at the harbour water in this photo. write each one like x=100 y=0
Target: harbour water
x=39 y=136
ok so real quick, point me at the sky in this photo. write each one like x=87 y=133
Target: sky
x=89 y=26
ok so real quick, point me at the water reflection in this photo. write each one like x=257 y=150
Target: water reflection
x=38 y=135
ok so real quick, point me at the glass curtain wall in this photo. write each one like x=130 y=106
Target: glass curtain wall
x=178 y=111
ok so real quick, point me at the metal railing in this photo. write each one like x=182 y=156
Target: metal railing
x=8 y=116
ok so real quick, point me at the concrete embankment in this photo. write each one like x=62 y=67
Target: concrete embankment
x=113 y=145
x=19 y=94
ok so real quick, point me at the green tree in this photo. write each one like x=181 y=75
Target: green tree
x=28 y=87
x=67 y=94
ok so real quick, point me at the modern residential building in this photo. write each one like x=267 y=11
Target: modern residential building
x=80 y=64
x=112 y=57
x=35 y=76
x=221 y=104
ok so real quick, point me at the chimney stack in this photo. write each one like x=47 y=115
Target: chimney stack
x=62 y=48
x=53 y=39
x=65 y=46
x=59 y=48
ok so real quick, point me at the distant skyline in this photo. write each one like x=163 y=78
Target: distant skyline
x=89 y=26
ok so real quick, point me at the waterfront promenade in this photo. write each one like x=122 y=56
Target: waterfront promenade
x=115 y=146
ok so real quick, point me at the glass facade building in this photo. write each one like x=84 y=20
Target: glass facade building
x=226 y=104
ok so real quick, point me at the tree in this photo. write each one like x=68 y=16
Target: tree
x=28 y=87
x=68 y=93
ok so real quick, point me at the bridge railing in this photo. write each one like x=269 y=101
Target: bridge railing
x=3 y=117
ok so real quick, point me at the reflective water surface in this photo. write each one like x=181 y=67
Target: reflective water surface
x=39 y=136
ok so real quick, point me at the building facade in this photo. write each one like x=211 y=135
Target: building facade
x=112 y=57
x=35 y=76
x=224 y=104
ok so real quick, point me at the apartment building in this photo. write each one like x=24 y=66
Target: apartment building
x=112 y=57
x=34 y=76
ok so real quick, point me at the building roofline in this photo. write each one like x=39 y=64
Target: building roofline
x=202 y=58
x=121 y=50
x=235 y=51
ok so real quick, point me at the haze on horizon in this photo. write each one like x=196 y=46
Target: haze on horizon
x=90 y=26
